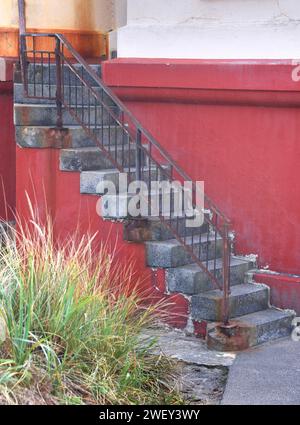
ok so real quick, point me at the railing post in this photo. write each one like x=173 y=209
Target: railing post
x=138 y=156
x=226 y=273
x=22 y=42
x=59 y=82
x=22 y=16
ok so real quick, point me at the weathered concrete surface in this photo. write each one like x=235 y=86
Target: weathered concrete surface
x=251 y=329
x=266 y=375
x=170 y=253
x=116 y=207
x=201 y=385
x=191 y=279
x=94 y=158
x=34 y=137
x=244 y=299
x=89 y=181
x=153 y=229
x=188 y=349
x=201 y=374
x=46 y=115
x=38 y=137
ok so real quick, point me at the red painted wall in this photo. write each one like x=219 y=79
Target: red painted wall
x=285 y=289
x=7 y=152
x=235 y=125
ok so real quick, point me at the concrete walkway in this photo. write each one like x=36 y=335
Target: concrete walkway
x=269 y=374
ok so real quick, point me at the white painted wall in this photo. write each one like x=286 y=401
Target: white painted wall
x=243 y=29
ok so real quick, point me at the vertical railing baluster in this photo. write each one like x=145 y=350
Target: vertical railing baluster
x=116 y=141
x=215 y=255
x=42 y=74
x=63 y=73
x=82 y=98
x=207 y=246
x=200 y=244
x=158 y=195
x=101 y=112
x=23 y=44
x=24 y=63
x=109 y=132
x=89 y=109
x=138 y=155
x=68 y=86
x=149 y=174
x=226 y=271
x=59 y=122
x=95 y=122
x=76 y=95
x=34 y=68
x=49 y=74
x=124 y=135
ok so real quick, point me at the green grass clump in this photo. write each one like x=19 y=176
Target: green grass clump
x=73 y=326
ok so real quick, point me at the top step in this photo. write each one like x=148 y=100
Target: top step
x=46 y=73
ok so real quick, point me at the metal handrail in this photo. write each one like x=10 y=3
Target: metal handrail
x=134 y=136
x=123 y=107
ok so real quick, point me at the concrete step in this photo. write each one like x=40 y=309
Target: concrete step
x=255 y=329
x=46 y=115
x=270 y=324
x=152 y=229
x=191 y=280
x=90 y=180
x=72 y=94
x=84 y=159
x=244 y=299
x=171 y=253
x=117 y=207
x=47 y=73
x=38 y=137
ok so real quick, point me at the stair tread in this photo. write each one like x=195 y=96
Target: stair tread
x=53 y=105
x=265 y=316
x=46 y=83
x=194 y=268
x=114 y=170
x=236 y=291
x=94 y=149
x=188 y=240
x=74 y=127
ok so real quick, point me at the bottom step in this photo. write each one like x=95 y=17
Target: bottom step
x=252 y=329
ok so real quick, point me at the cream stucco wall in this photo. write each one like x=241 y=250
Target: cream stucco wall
x=95 y=15
x=256 y=29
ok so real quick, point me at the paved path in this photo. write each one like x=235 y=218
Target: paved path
x=269 y=374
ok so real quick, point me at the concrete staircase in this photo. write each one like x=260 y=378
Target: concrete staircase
x=254 y=320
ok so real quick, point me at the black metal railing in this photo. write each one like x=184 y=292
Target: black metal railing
x=59 y=74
